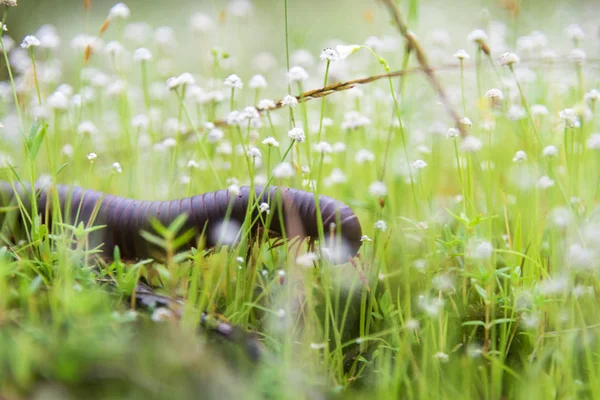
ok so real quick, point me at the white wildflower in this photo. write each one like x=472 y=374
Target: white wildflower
x=544 y=182
x=271 y=141
x=509 y=59
x=380 y=225
x=593 y=142
x=378 y=189
x=142 y=54
x=201 y=23
x=296 y=134
x=297 y=74
x=462 y=55
x=494 y=94
x=577 y=56
x=117 y=168
x=86 y=128
x=329 y=55
x=466 y=121
x=233 y=81
x=233 y=189
x=323 y=147
x=477 y=36
x=538 y=110
x=30 y=41
x=283 y=170
x=550 y=151
x=264 y=208
x=257 y=82
x=254 y=152
x=289 y=101
x=419 y=164
x=471 y=144
x=520 y=156
x=119 y=11
x=92 y=156
x=365 y=238
x=452 y=133
x=574 y=32
x=266 y=104
x=344 y=51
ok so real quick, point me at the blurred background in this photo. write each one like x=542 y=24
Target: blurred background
x=349 y=20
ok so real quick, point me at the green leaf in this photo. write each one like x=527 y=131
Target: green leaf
x=154 y=239
x=177 y=224
x=36 y=137
x=473 y=323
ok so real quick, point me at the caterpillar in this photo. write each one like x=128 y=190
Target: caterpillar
x=215 y=216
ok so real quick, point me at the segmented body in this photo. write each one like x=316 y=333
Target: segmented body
x=292 y=213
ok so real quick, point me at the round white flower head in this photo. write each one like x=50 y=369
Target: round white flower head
x=544 y=182
x=257 y=82
x=471 y=144
x=266 y=104
x=462 y=55
x=3 y=27
x=169 y=142
x=520 y=156
x=378 y=189
x=297 y=74
x=329 y=55
x=233 y=81
x=592 y=96
x=30 y=41
x=477 y=36
x=509 y=59
x=494 y=94
x=380 y=225
x=577 y=56
x=296 y=134
x=283 y=170
x=344 y=51
x=570 y=118
x=186 y=79
x=86 y=128
x=574 y=32
x=442 y=357
x=119 y=11
x=419 y=164
x=201 y=23
x=363 y=156
x=452 y=133
x=550 y=151
x=264 y=208
x=113 y=48
x=289 y=101
x=323 y=148
x=92 y=156
x=58 y=101
x=234 y=189
x=593 y=142
x=539 y=110
x=254 y=152
x=271 y=141
x=466 y=121
x=365 y=238
x=142 y=54
x=117 y=168
x=339 y=147
x=140 y=122
x=173 y=83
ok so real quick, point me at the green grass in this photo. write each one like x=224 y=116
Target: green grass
x=481 y=281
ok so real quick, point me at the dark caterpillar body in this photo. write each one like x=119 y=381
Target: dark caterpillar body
x=217 y=215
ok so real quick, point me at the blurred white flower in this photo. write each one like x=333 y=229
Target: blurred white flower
x=378 y=189
x=119 y=11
